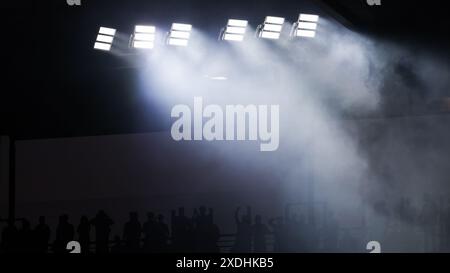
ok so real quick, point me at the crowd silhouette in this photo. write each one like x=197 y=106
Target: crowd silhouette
x=197 y=233
x=293 y=232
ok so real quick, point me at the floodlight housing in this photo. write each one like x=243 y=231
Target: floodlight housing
x=271 y=28
x=144 y=37
x=179 y=34
x=105 y=39
x=306 y=26
x=235 y=30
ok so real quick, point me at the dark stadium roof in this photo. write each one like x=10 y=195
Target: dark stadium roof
x=55 y=85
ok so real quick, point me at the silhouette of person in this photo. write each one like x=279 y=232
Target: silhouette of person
x=150 y=233
x=294 y=231
x=10 y=238
x=205 y=230
x=280 y=233
x=200 y=221
x=64 y=234
x=25 y=237
x=162 y=234
x=42 y=235
x=132 y=233
x=201 y=218
x=243 y=243
x=181 y=231
x=212 y=234
x=259 y=231
x=102 y=224
x=84 y=234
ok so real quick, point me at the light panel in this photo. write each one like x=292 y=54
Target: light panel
x=179 y=34
x=144 y=37
x=107 y=31
x=306 y=33
x=237 y=23
x=105 y=39
x=235 y=30
x=233 y=37
x=306 y=25
x=181 y=27
x=143 y=45
x=102 y=46
x=178 y=42
x=145 y=29
x=272 y=27
x=270 y=35
x=274 y=20
x=309 y=18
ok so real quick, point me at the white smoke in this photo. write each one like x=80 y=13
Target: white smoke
x=315 y=82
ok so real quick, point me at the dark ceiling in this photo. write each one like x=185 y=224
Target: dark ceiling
x=55 y=85
x=424 y=21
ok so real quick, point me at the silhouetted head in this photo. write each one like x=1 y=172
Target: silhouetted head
x=101 y=214
x=150 y=216
x=160 y=218
x=84 y=220
x=133 y=216
x=26 y=225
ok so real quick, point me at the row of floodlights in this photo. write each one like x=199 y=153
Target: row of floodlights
x=144 y=36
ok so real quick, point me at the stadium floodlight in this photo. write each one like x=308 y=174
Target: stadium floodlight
x=179 y=34
x=235 y=30
x=305 y=26
x=272 y=27
x=144 y=37
x=105 y=39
